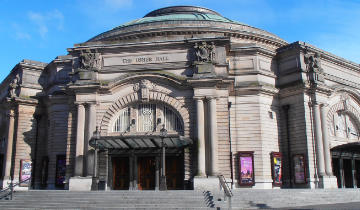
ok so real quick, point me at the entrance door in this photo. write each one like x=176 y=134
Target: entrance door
x=348 y=173
x=120 y=173
x=357 y=168
x=336 y=170
x=174 y=172
x=146 y=173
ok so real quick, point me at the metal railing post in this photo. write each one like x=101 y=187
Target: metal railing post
x=11 y=189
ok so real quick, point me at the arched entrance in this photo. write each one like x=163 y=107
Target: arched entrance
x=346 y=165
x=134 y=147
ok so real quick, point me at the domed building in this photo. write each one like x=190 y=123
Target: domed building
x=175 y=99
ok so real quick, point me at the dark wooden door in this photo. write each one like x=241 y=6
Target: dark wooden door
x=175 y=172
x=120 y=173
x=348 y=173
x=146 y=173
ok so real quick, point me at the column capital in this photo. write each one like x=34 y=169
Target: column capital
x=323 y=105
x=91 y=103
x=77 y=103
x=11 y=113
x=209 y=98
x=198 y=98
x=313 y=103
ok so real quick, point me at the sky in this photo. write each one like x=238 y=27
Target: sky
x=41 y=30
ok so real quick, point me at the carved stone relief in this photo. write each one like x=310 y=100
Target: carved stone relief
x=145 y=86
x=13 y=86
x=313 y=67
x=90 y=61
x=344 y=99
x=205 y=52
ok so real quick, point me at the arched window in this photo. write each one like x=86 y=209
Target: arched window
x=122 y=122
x=344 y=126
x=172 y=121
x=147 y=118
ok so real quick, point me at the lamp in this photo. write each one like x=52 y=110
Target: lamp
x=163 y=134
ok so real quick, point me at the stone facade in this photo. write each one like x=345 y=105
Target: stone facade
x=225 y=87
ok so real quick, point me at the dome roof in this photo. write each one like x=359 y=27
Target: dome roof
x=181 y=17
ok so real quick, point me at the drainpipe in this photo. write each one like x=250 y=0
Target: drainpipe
x=286 y=109
x=231 y=154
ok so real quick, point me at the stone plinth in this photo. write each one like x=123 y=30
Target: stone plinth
x=328 y=182
x=210 y=183
x=80 y=183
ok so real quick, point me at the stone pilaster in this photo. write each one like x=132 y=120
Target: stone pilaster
x=213 y=137
x=325 y=135
x=318 y=140
x=90 y=131
x=201 y=136
x=79 y=159
x=9 y=146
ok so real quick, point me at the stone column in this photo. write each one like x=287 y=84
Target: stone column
x=213 y=137
x=325 y=136
x=90 y=132
x=79 y=161
x=318 y=140
x=201 y=136
x=9 y=146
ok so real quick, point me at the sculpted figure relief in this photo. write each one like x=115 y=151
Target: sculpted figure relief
x=90 y=61
x=13 y=86
x=205 y=52
x=313 y=67
x=313 y=62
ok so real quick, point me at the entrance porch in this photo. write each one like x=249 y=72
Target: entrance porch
x=134 y=162
x=346 y=165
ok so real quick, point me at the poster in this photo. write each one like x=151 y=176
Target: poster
x=299 y=169
x=276 y=162
x=25 y=172
x=246 y=166
x=60 y=170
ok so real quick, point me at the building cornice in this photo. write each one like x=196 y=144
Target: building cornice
x=326 y=56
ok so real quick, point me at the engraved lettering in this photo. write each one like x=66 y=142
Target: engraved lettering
x=127 y=60
x=162 y=59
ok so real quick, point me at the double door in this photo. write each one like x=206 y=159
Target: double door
x=146 y=172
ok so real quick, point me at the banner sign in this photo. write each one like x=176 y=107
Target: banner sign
x=299 y=169
x=276 y=163
x=25 y=172
x=246 y=168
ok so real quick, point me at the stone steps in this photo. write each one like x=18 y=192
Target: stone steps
x=285 y=198
x=38 y=199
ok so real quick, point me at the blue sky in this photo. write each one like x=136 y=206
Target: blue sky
x=42 y=30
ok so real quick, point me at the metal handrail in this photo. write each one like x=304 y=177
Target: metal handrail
x=225 y=186
x=10 y=189
x=227 y=191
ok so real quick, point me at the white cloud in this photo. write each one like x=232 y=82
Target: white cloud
x=22 y=35
x=44 y=21
x=19 y=33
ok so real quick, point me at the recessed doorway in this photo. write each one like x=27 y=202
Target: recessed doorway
x=175 y=172
x=120 y=173
x=146 y=173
